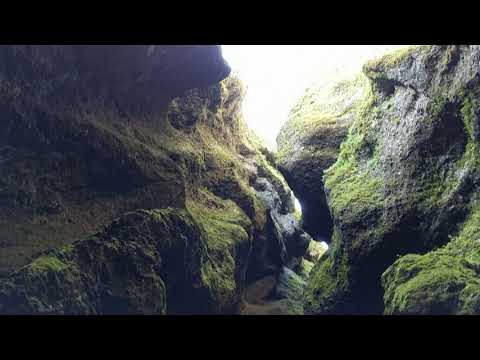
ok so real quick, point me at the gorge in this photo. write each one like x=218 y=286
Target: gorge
x=131 y=184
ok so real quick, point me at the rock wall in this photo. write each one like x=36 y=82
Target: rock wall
x=309 y=143
x=403 y=186
x=127 y=183
x=81 y=144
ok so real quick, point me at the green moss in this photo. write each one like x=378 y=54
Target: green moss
x=348 y=183
x=328 y=280
x=364 y=186
x=305 y=269
x=354 y=188
x=468 y=116
x=223 y=220
x=298 y=215
x=436 y=287
x=437 y=191
x=469 y=231
x=47 y=263
x=352 y=178
x=320 y=110
x=295 y=295
x=451 y=55
x=267 y=167
x=392 y=59
x=168 y=219
x=444 y=281
x=326 y=285
x=212 y=161
x=272 y=174
x=226 y=227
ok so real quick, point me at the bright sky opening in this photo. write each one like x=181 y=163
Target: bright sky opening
x=276 y=76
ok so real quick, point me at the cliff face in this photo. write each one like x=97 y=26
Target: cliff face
x=82 y=143
x=405 y=182
x=309 y=143
x=135 y=165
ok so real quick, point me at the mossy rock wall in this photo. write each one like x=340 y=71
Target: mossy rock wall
x=309 y=143
x=405 y=175
x=205 y=272
x=85 y=137
x=81 y=150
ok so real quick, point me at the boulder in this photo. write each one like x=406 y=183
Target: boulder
x=441 y=282
x=121 y=270
x=146 y=262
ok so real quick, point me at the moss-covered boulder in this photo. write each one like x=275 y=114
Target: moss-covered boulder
x=129 y=268
x=229 y=240
x=289 y=288
x=232 y=163
x=309 y=143
x=405 y=175
x=444 y=281
x=279 y=294
x=147 y=262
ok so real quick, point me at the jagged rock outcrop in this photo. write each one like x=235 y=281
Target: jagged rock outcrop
x=284 y=241
x=404 y=183
x=133 y=76
x=309 y=143
x=99 y=134
x=84 y=134
x=291 y=241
